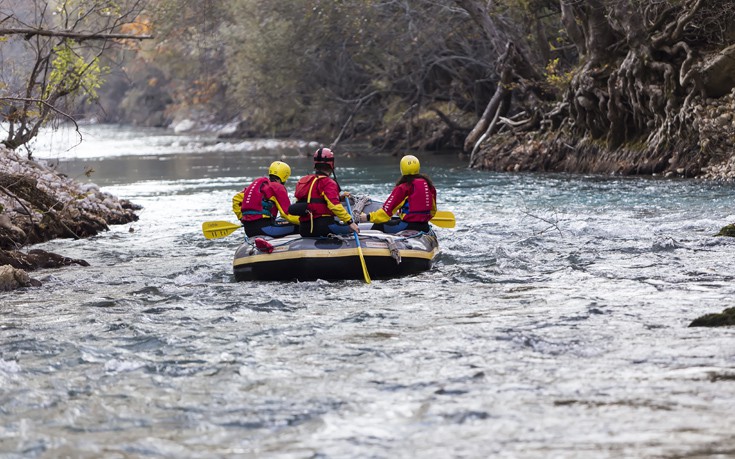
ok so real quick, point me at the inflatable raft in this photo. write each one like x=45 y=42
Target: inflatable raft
x=336 y=257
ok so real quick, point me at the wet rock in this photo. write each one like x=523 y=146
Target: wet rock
x=723 y=319
x=37 y=259
x=9 y=230
x=723 y=120
x=728 y=230
x=39 y=204
x=718 y=74
x=13 y=278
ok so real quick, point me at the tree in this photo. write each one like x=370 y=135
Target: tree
x=644 y=72
x=342 y=69
x=644 y=65
x=186 y=60
x=51 y=55
x=522 y=35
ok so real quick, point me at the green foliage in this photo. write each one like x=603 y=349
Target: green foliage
x=76 y=10
x=312 y=65
x=556 y=77
x=72 y=73
x=186 y=62
x=283 y=62
x=45 y=72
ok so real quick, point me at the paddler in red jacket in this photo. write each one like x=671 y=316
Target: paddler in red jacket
x=258 y=205
x=318 y=197
x=413 y=199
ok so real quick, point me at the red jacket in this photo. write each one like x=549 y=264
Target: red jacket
x=265 y=199
x=322 y=194
x=414 y=201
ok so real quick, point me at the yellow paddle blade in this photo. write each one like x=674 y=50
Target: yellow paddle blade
x=443 y=219
x=218 y=229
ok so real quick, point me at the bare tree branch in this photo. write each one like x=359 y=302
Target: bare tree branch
x=552 y=224
x=49 y=107
x=81 y=36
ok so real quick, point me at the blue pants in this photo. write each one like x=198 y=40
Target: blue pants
x=323 y=226
x=269 y=227
x=395 y=225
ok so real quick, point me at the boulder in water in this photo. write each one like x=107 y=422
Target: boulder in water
x=13 y=278
x=722 y=319
x=728 y=231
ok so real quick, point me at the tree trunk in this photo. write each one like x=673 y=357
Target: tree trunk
x=491 y=111
x=636 y=83
x=637 y=99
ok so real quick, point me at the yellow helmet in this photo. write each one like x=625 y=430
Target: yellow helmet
x=410 y=165
x=280 y=170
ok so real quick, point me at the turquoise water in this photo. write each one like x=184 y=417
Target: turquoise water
x=555 y=323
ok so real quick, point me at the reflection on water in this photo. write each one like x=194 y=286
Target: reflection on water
x=115 y=154
x=554 y=325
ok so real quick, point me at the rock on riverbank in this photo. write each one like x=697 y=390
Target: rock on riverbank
x=38 y=204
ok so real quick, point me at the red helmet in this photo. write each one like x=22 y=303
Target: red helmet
x=324 y=156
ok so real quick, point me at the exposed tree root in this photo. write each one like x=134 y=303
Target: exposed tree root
x=636 y=103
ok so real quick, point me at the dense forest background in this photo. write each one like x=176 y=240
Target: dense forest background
x=333 y=70
x=617 y=86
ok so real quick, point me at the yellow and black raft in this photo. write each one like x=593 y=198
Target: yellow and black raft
x=372 y=254
x=336 y=257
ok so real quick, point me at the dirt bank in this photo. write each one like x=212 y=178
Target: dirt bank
x=704 y=149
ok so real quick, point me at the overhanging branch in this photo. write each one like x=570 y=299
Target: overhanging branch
x=30 y=32
x=50 y=107
x=44 y=103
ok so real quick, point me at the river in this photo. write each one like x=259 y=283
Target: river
x=554 y=324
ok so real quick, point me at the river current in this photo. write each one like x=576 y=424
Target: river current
x=554 y=324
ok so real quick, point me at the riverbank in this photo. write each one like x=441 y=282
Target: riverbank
x=703 y=148
x=39 y=204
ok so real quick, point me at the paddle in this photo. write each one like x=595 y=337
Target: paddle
x=218 y=229
x=443 y=219
x=359 y=248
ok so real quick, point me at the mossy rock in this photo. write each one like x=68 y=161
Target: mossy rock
x=722 y=319
x=728 y=231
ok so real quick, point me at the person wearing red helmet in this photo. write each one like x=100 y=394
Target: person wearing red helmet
x=318 y=194
x=413 y=199
x=258 y=205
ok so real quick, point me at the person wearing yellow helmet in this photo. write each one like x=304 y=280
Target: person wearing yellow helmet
x=413 y=200
x=258 y=205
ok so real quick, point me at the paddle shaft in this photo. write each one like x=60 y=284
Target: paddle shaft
x=359 y=248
